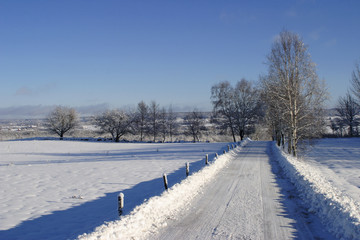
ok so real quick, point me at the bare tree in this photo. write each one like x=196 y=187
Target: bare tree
x=62 y=120
x=274 y=118
x=116 y=122
x=173 y=126
x=154 y=125
x=247 y=107
x=347 y=110
x=141 y=119
x=294 y=88
x=194 y=122
x=222 y=96
x=163 y=124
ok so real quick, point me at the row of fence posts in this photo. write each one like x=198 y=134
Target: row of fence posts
x=187 y=167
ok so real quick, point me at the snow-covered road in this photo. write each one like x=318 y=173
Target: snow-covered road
x=247 y=200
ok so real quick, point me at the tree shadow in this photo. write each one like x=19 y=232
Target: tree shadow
x=164 y=150
x=305 y=224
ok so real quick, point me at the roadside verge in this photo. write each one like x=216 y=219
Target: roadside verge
x=337 y=211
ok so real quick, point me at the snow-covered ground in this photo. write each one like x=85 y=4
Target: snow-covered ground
x=242 y=195
x=248 y=199
x=60 y=189
x=339 y=160
x=327 y=181
x=152 y=216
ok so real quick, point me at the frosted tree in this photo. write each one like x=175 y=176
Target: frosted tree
x=154 y=114
x=173 y=125
x=141 y=121
x=348 y=110
x=222 y=96
x=293 y=87
x=236 y=108
x=273 y=114
x=247 y=107
x=163 y=124
x=116 y=122
x=194 y=122
x=62 y=120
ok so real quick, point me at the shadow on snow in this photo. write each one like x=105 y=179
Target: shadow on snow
x=305 y=225
x=69 y=223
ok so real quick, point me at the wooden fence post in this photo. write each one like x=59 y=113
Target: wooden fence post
x=165 y=181
x=120 y=203
x=187 y=168
x=206 y=159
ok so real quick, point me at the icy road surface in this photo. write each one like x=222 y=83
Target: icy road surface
x=247 y=200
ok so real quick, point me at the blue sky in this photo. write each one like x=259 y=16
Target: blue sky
x=85 y=52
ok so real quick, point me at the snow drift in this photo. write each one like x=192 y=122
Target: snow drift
x=338 y=212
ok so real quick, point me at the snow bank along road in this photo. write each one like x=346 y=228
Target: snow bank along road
x=244 y=194
x=247 y=200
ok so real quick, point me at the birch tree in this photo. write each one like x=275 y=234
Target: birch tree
x=293 y=87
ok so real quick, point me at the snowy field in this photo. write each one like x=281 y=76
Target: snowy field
x=60 y=189
x=318 y=207
x=339 y=160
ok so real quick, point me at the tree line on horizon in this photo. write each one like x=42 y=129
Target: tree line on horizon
x=149 y=122
x=288 y=100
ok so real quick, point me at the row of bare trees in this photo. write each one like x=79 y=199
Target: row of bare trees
x=347 y=121
x=147 y=121
x=291 y=97
x=153 y=121
x=293 y=93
